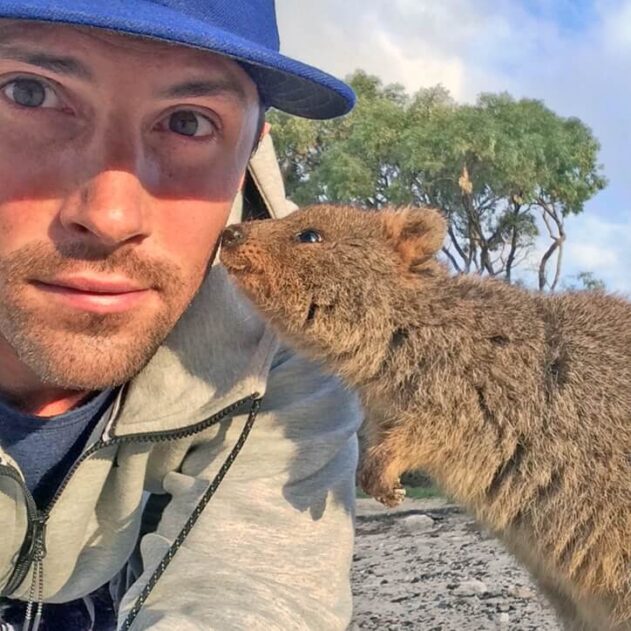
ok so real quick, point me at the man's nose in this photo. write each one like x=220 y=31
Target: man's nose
x=111 y=202
x=110 y=206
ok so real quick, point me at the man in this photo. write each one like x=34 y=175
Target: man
x=129 y=366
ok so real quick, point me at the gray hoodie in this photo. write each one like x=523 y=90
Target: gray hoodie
x=272 y=550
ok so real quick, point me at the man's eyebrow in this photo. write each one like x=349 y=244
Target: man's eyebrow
x=204 y=88
x=68 y=66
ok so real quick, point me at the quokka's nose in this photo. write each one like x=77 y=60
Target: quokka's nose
x=232 y=236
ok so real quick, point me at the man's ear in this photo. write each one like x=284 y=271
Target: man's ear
x=417 y=234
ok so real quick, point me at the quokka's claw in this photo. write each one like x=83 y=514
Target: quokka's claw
x=393 y=498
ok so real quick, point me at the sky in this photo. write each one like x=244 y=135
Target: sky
x=575 y=55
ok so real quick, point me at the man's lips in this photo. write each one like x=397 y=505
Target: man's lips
x=96 y=284
x=98 y=294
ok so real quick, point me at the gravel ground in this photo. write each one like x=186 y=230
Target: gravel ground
x=427 y=566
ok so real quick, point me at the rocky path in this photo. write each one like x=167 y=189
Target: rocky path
x=426 y=565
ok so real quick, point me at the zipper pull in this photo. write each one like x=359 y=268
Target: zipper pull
x=36 y=592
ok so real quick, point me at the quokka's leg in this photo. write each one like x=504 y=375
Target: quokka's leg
x=380 y=473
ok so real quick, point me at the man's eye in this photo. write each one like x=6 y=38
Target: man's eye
x=192 y=124
x=31 y=93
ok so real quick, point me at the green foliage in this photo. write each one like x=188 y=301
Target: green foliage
x=500 y=169
x=585 y=280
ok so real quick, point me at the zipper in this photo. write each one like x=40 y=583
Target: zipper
x=33 y=552
x=33 y=549
x=36 y=591
x=26 y=554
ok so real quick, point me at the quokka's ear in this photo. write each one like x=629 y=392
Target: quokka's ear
x=417 y=234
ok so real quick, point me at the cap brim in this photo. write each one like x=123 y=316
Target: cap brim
x=284 y=83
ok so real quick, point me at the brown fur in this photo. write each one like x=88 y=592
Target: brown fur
x=518 y=404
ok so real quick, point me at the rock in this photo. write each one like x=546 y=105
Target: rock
x=519 y=591
x=418 y=523
x=503 y=619
x=403 y=598
x=472 y=587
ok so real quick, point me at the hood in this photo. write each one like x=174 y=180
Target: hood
x=266 y=178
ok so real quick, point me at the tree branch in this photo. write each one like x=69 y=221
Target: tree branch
x=513 y=243
x=454 y=240
x=549 y=213
x=453 y=260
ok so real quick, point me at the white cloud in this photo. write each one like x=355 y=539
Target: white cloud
x=422 y=69
x=617 y=28
x=414 y=42
x=593 y=257
x=603 y=247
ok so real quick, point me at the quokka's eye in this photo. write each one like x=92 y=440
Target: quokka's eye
x=309 y=236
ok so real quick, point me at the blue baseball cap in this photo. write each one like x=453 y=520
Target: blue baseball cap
x=244 y=30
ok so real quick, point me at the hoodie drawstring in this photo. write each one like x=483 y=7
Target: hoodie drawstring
x=188 y=526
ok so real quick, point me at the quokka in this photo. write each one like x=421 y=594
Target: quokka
x=517 y=403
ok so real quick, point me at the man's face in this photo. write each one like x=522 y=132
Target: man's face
x=119 y=162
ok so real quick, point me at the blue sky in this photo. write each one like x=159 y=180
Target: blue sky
x=569 y=15
x=575 y=55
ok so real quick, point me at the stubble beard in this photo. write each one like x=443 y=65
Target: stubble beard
x=82 y=350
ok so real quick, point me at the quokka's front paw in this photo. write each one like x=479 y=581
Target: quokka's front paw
x=394 y=497
x=374 y=481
